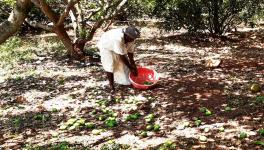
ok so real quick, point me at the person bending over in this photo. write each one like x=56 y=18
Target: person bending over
x=117 y=54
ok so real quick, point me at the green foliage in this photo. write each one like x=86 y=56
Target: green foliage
x=261 y=131
x=259 y=143
x=132 y=117
x=90 y=5
x=37 y=15
x=180 y=13
x=15 y=50
x=82 y=33
x=111 y=122
x=11 y=52
x=60 y=146
x=147 y=83
x=48 y=47
x=17 y=122
x=217 y=16
x=12 y=43
x=5 y=8
x=253 y=11
x=102 y=102
x=260 y=99
x=137 y=9
x=41 y=117
x=9 y=2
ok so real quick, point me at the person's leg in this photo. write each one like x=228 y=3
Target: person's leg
x=108 y=61
x=110 y=77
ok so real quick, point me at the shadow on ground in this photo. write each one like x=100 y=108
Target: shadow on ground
x=178 y=96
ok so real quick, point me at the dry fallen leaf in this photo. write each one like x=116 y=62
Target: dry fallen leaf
x=20 y=100
x=40 y=108
x=212 y=63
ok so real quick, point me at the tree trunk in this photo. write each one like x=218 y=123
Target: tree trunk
x=64 y=37
x=216 y=22
x=15 y=20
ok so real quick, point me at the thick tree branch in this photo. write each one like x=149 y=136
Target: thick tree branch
x=108 y=25
x=46 y=9
x=58 y=29
x=66 y=11
x=36 y=24
x=92 y=13
x=15 y=20
x=108 y=16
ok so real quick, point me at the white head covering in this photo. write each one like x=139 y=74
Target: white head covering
x=132 y=32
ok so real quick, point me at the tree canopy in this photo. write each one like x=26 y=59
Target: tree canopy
x=86 y=17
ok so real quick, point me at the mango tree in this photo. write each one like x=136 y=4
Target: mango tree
x=85 y=21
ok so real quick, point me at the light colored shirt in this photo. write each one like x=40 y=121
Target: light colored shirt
x=111 y=45
x=113 y=40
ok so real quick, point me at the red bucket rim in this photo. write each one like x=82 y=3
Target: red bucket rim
x=155 y=74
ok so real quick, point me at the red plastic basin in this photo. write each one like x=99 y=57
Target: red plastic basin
x=144 y=75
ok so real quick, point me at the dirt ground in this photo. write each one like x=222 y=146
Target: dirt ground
x=37 y=97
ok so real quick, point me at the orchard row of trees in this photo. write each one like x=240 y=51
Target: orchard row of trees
x=215 y=16
x=86 y=16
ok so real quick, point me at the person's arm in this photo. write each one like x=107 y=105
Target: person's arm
x=131 y=59
x=132 y=63
x=127 y=63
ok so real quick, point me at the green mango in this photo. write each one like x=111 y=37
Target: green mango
x=111 y=122
x=89 y=125
x=242 y=135
x=156 y=127
x=202 y=109
x=96 y=131
x=81 y=121
x=221 y=129
x=203 y=138
x=149 y=127
x=143 y=134
x=71 y=121
x=63 y=127
x=198 y=122
x=208 y=112
x=228 y=109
